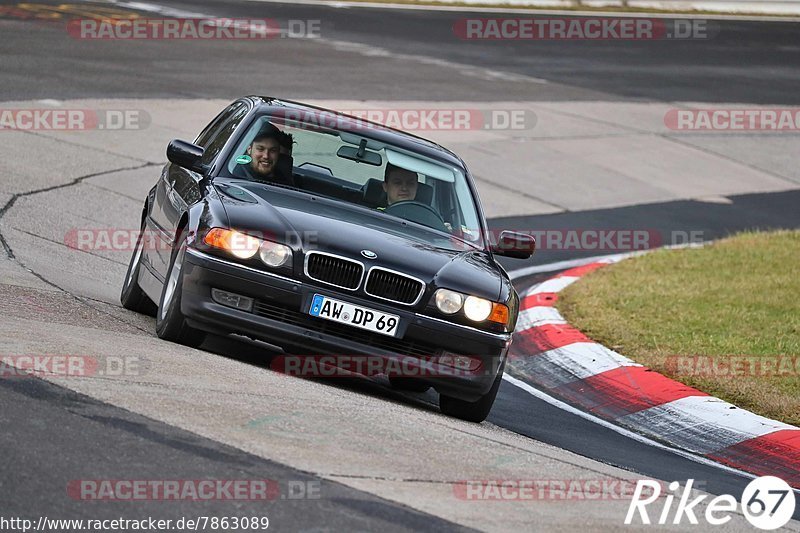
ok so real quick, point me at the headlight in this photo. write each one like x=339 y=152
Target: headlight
x=239 y=244
x=448 y=301
x=274 y=254
x=477 y=309
x=245 y=246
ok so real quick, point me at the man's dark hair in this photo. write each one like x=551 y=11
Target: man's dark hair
x=269 y=131
x=392 y=168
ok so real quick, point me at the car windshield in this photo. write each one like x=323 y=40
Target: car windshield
x=394 y=183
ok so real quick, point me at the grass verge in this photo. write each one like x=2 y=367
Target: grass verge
x=724 y=318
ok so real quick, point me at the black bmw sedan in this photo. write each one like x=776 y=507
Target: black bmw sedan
x=331 y=237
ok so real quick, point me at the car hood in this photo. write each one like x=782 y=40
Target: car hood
x=309 y=223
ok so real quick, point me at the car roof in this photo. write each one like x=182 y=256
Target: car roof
x=366 y=128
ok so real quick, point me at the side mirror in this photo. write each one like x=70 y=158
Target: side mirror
x=185 y=154
x=516 y=245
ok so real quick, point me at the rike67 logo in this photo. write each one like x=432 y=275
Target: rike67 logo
x=767 y=503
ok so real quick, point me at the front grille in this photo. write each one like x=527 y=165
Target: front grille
x=290 y=316
x=334 y=270
x=393 y=286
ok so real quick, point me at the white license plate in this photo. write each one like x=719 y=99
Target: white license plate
x=354 y=315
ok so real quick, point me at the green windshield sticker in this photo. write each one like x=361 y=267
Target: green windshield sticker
x=243 y=159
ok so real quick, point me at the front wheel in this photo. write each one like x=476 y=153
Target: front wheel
x=170 y=323
x=476 y=411
x=132 y=296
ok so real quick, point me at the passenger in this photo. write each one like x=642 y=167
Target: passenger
x=286 y=142
x=399 y=184
x=265 y=152
x=285 y=166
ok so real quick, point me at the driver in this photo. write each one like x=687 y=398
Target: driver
x=399 y=184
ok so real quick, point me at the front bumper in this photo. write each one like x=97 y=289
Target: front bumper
x=280 y=317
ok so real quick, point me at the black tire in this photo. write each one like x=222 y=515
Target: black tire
x=476 y=411
x=132 y=296
x=170 y=322
x=408 y=384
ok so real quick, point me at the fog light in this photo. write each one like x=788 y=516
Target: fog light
x=229 y=299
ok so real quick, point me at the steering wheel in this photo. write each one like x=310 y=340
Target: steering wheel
x=417 y=212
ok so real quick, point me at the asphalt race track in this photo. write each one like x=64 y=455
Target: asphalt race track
x=353 y=455
x=745 y=62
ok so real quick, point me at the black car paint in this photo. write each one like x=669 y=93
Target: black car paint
x=195 y=201
x=320 y=223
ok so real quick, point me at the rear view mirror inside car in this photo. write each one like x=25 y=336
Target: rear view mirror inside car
x=360 y=154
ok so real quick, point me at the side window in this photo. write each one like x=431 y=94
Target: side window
x=217 y=133
x=205 y=135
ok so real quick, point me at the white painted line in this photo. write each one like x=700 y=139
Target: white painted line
x=552 y=285
x=622 y=431
x=564 y=265
x=538 y=316
x=359 y=48
x=702 y=424
x=464 y=69
x=613 y=258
